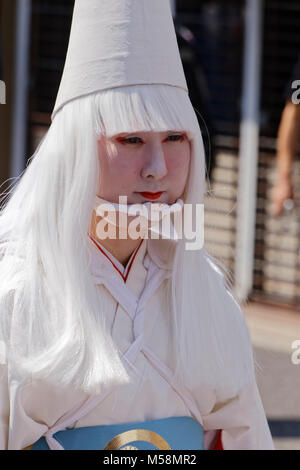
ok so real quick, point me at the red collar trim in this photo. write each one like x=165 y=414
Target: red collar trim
x=131 y=262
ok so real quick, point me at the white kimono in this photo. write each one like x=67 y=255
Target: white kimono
x=140 y=326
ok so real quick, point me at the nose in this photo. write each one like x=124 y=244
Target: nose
x=155 y=164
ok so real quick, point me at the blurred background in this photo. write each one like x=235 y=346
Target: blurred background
x=240 y=59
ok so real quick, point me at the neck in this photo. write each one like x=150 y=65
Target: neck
x=121 y=249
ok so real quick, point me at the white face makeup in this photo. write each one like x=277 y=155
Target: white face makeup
x=149 y=162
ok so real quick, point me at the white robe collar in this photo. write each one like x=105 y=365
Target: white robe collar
x=104 y=262
x=161 y=253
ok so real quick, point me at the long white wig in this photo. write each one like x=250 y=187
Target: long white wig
x=52 y=321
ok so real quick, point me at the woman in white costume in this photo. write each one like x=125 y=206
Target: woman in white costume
x=98 y=335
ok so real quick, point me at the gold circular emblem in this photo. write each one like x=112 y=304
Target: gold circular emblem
x=125 y=438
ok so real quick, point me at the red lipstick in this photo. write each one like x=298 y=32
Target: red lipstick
x=151 y=196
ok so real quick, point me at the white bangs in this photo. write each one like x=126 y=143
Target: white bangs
x=143 y=108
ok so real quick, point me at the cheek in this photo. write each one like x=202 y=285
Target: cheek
x=116 y=167
x=178 y=164
x=126 y=168
x=117 y=163
x=124 y=172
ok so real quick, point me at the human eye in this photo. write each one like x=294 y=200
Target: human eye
x=175 y=138
x=130 y=140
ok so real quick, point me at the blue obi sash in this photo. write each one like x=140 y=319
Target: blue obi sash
x=176 y=433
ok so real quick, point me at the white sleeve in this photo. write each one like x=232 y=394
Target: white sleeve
x=4 y=407
x=242 y=420
x=17 y=429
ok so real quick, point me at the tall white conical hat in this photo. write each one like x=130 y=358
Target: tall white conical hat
x=115 y=43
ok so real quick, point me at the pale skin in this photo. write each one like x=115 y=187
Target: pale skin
x=140 y=162
x=288 y=141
